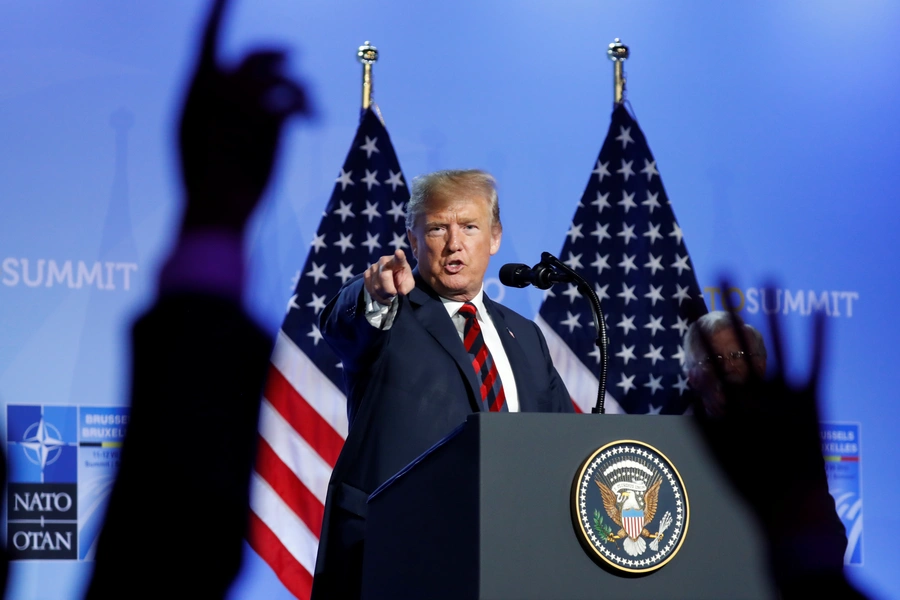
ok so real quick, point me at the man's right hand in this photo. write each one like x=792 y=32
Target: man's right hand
x=390 y=276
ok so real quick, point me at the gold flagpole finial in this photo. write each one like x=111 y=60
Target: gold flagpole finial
x=367 y=55
x=618 y=53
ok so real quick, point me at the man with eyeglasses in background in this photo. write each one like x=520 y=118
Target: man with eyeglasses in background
x=727 y=350
x=805 y=532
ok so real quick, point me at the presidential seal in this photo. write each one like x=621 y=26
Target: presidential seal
x=630 y=507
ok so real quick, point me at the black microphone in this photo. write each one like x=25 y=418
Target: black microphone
x=541 y=276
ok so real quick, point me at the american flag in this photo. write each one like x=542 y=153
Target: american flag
x=303 y=419
x=625 y=241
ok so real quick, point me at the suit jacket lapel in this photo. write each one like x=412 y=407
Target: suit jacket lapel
x=430 y=312
x=525 y=386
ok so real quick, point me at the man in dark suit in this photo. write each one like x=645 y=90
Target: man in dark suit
x=421 y=349
x=178 y=511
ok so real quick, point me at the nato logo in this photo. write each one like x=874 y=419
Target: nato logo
x=42 y=495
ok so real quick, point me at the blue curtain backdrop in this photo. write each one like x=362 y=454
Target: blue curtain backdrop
x=774 y=125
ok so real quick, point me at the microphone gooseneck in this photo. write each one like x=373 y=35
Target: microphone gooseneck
x=543 y=275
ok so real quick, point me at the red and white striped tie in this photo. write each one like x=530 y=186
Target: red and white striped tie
x=492 y=396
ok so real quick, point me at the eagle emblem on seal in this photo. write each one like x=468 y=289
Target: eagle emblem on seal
x=631 y=505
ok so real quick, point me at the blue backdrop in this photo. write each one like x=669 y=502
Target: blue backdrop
x=774 y=125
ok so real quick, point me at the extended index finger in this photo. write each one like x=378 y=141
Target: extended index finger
x=398 y=261
x=211 y=33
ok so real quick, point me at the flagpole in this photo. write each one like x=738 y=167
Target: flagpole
x=618 y=53
x=367 y=55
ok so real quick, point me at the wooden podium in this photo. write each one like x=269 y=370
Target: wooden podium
x=486 y=514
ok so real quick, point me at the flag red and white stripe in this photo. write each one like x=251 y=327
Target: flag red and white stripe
x=303 y=418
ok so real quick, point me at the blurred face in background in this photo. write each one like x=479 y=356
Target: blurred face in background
x=735 y=367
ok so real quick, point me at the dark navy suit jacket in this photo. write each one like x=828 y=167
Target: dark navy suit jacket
x=408 y=387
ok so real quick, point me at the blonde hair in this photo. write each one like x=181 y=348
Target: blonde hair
x=473 y=181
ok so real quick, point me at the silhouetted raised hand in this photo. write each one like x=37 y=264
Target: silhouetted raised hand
x=196 y=354
x=768 y=443
x=230 y=130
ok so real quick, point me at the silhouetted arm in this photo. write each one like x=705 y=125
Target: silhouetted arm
x=784 y=482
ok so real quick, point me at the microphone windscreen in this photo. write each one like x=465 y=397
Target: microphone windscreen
x=511 y=275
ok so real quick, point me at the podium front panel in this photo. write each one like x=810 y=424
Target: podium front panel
x=487 y=515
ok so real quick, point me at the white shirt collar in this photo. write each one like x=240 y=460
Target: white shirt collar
x=453 y=306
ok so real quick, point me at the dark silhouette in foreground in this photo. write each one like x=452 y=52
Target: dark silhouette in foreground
x=178 y=512
x=783 y=480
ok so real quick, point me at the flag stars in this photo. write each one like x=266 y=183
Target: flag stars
x=679 y=355
x=654 y=325
x=571 y=292
x=654 y=264
x=626 y=383
x=624 y=136
x=571 y=321
x=601 y=170
x=681 y=385
x=601 y=232
x=317 y=272
x=649 y=169
x=292 y=303
x=653 y=233
x=574 y=232
x=681 y=325
x=344 y=179
x=626 y=353
x=371 y=210
x=627 y=294
x=601 y=262
x=345 y=273
x=626 y=171
x=655 y=383
x=344 y=211
x=344 y=242
x=370 y=179
x=681 y=293
x=574 y=261
x=655 y=294
x=654 y=354
x=627 y=233
x=627 y=201
x=601 y=292
x=398 y=241
x=318 y=243
x=654 y=410
x=601 y=202
x=595 y=353
x=627 y=324
x=652 y=201
x=396 y=211
x=317 y=303
x=396 y=179
x=371 y=242
x=676 y=233
x=370 y=146
x=315 y=334
x=628 y=264
x=681 y=263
